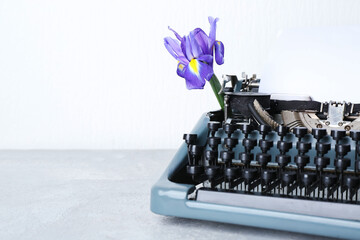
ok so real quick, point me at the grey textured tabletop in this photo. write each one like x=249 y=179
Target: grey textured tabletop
x=97 y=195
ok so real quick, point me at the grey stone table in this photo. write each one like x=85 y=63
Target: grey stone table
x=97 y=195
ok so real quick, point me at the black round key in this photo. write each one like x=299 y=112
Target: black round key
x=329 y=180
x=264 y=129
x=265 y=145
x=213 y=126
x=355 y=135
x=229 y=128
x=249 y=174
x=263 y=159
x=268 y=176
x=284 y=146
x=342 y=149
x=227 y=155
x=351 y=182
x=190 y=138
x=307 y=178
x=249 y=143
x=212 y=171
x=231 y=142
x=318 y=133
x=338 y=134
x=321 y=162
x=246 y=128
x=300 y=132
x=283 y=160
x=194 y=170
x=232 y=172
x=282 y=130
x=342 y=164
x=301 y=160
x=214 y=142
x=323 y=148
x=211 y=155
x=246 y=158
x=196 y=150
x=303 y=147
x=288 y=177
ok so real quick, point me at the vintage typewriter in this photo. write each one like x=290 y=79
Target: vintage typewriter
x=268 y=162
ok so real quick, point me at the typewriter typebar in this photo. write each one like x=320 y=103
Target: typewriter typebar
x=269 y=161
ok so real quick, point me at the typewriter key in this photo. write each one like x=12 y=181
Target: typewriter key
x=303 y=147
x=227 y=157
x=268 y=176
x=282 y=131
x=321 y=162
x=283 y=160
x=230 y=143
x=329 y=180
x=341 y=164
x=288 y=178
x=229 y=129
x=351 y=182
x=338 y=134
x=300 y=132
x=284 y=146
x=318 y=133
x=301 y=161
x=212 y=171
x=213 y=127
x=232 y=173
x=342 y=149
x=263 y=159
x=246 y=158
x=214 y=142
x=249 y=174
x=265 y=145
x=322 y=148
x=211 y=157
x=264 y=130
x=190 y=138
x=246 y=129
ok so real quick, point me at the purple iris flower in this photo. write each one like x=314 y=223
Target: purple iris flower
x=195 y=54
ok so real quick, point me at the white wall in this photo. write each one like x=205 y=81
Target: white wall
x=95 y=74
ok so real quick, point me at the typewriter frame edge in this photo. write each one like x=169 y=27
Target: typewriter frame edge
x=170 y=199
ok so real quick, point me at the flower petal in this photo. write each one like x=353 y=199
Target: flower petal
x=212 y=34
x=186 y=47
x=173 y=47
x=176 y=34
x=196 y=73
x=219 y=52
x=181 y=70
x=206 y=58
x=202 y=39
x=195 y=48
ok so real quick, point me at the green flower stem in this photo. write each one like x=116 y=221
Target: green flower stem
x=216 y=86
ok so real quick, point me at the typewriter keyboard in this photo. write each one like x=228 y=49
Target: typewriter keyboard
x=239 y=162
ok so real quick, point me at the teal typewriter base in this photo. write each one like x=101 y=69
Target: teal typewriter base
x=170 y=199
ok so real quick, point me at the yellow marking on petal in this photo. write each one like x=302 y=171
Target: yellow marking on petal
x=194 y=66
x=218 y=43
x=181 y=67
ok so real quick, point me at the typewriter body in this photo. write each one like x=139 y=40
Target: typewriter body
x=270 y=161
